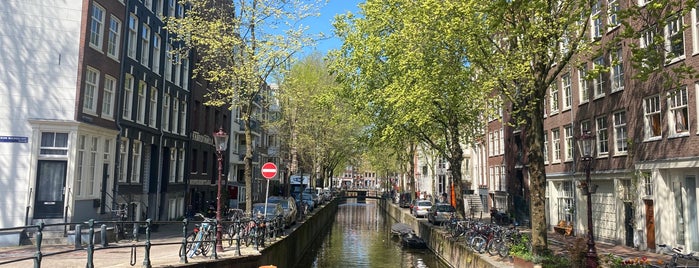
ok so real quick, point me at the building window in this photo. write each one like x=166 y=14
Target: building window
x=114 y=38
x=178 y=70
x=133 y=36
x=596 y=20
x=620 y=132
x=617 y=70
x=165 y=124
x=695 y=30
x=123 y=156
x=53 y=143
x=567 y=92
x=185 y=71
x=173 y=165
x=136 y=162
x=108 y=97
x=647 y=181
x=80 y=168
x=180 y=165
x=598 y=81
x=651 y=117
x=145 y=45
x=602 y=137
x=566 y=202
x=156 y=53
x=128 y=97
x=556 y=140
x=148 y=4
x=647 y=43
x=183 y=115
x=674 y=39
x=194 y=161
x=92 y=169
x=613 y=9
x=171 y=8
x=175 y=115
x=568 y=135
x=153 y=110
x=678 y=121
x=141 y=102
x=168 y=63
x=96 y=27
x=90 y=94
x=554 y=99
x=546 y=148
x=583 y=87
x=159 y=8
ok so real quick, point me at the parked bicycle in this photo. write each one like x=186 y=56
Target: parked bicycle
x=677 y=259
x=201 y=239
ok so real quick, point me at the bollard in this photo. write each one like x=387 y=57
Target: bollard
x=38 y=255
x=78 y=236
x=146 y=258
x=183 y=248
x=103 y=236
x=90 y=244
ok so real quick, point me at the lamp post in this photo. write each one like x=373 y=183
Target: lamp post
x=221 y=140
x=587 y=149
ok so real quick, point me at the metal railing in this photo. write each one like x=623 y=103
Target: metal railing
x=119 y=232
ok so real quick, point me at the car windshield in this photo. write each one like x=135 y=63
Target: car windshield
x=285 y=205
x=271 y=209
x=424 y=204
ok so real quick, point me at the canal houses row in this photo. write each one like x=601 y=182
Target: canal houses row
x=99 y=120
x=645 y=164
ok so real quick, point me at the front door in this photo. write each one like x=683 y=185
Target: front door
x=50 y=185
x=650 y=225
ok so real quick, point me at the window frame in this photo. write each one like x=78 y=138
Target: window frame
x=96 y=37
x=673 y=27
x=602 y=136
x=114 y=38
x=621 y=134
x=108 y=96
x=652 y=108
x=583 y=85
x=127 y=107
x=598 y=81
x=617 y=69
x=554 y=99
x=677 y=100
x=91 y=91
x=556 y=145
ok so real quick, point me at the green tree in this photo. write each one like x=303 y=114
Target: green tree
x=322 y=134
x=238 y=46
x=521 y=47
x=406 y=68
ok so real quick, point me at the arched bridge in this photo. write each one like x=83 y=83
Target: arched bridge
x=360 y=194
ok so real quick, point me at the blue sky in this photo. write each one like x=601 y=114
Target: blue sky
x=323 y=23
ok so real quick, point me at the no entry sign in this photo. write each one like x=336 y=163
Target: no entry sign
x=269 y=170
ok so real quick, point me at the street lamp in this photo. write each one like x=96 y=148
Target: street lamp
x=221 y=140
x=587 y=149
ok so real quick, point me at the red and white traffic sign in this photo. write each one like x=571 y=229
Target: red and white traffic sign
x=269 y=170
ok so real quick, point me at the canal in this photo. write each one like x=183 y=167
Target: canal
x=360 y=237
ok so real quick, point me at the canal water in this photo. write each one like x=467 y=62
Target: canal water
x=360 y=237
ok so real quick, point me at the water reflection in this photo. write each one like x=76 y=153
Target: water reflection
x=360 y=237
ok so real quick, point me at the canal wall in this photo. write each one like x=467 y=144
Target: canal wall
x=455 y=254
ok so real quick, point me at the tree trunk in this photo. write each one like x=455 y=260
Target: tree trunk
x=537 y=177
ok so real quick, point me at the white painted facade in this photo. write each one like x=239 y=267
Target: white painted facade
x=39 y=55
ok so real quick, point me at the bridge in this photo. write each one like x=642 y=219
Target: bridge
x=360 y=194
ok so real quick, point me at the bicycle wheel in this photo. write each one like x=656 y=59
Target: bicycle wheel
x=190 y=244
x=478 y=244
x=493 y=246
x=504 y=250
x=207 y=243
x=231 y=233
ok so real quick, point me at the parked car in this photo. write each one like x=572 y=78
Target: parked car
x=314 y=194
x=274 y=210
x=439 y=213
x=419 y=207
x=289 y=206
